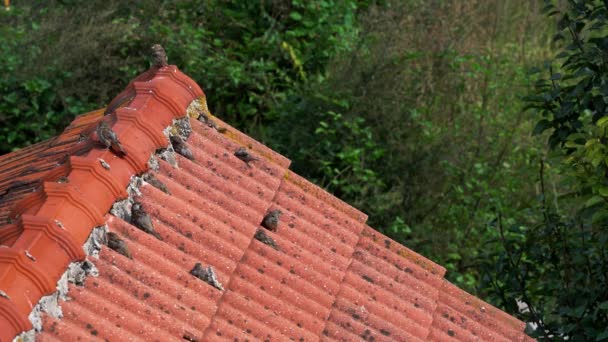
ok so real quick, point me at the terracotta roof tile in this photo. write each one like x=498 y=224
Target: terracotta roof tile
x=322 y=275
x=22 y=172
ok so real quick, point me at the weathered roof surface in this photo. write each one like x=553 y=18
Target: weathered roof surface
x=327 y=276
x=22 y=172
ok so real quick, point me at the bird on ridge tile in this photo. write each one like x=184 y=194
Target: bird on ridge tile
x=151 y=179
x=271 y=220
x=158 y=56
x=117 y=244
x=141 y=220
x=207 y=275
x=261 y=236
x=180 y=147
x=244 y=155
x=108 y=137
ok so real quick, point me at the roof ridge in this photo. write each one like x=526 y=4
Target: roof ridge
x=61 y=215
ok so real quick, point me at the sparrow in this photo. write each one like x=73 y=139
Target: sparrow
x=207 y=275
x=118 y=245
x=141 y=220
x=207 y=121
x=271 y=220
x=180 y=147
x=151 y=179
x=261 y=236
x=158 y=56
x=108 y=137
x=244 y=155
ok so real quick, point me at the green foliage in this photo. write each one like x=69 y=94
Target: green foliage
x=248 y=55
x=557 y=267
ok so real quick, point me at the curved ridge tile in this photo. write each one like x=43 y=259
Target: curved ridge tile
x=60 y=215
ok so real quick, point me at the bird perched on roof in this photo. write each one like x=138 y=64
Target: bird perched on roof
x=108 y=137
x=271 y=220
x=261 y=236
x=117 y=244
x=158 y=56
x=151 y=179
x=244 y=155
x=205 y=119
x=179 y=146
x=207 y=275
x=141 y=220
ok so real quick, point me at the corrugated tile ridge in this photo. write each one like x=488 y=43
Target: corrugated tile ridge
x=220 y=301
x=341 y=284
x=50 y=230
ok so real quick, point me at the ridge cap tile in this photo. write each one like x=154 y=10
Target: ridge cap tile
x=65 y=214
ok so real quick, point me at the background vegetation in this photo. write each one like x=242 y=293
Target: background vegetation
x=418 y=112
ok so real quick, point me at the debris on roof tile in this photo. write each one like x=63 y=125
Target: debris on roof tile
x=261 y=236
x=195 y=207
x=207 y=275
x=271 y=220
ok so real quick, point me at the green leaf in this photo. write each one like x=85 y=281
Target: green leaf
x=541 y=126
x=593 y=201
x=603 y=191
x=603 y=121
x=295 y=16
x=603 y=336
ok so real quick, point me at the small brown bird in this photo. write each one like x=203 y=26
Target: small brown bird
x=108 y=137
x=118 y=245
x=271 y=220
x=244 y=155
x=179 y=146
x=207 y=275
x=261 y=236
x=207 y=121
x=158 y=56
x=141 y=220
x=151 y=179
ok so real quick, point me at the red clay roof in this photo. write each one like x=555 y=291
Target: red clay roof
x=331 y=277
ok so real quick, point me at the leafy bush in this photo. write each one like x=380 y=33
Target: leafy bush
x=557 y=267
x=248 y=56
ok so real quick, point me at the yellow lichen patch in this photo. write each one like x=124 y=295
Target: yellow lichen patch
x=197 y=107
x=417 y=259
x=173 y=130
